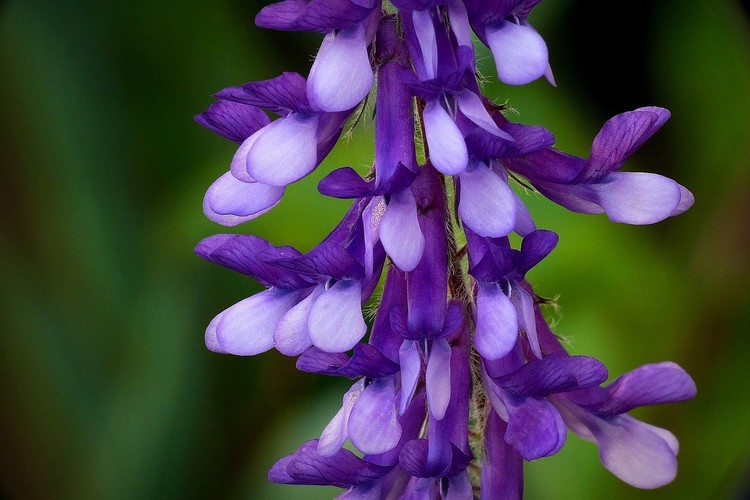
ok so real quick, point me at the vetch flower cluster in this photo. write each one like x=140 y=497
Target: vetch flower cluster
x=460 y=378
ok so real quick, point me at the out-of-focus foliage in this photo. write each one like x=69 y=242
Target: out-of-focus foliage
x=106 y=389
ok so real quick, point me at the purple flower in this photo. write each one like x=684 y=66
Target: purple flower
x=596 y=185
x=460 y=378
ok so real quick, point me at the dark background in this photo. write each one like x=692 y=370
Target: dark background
x=106 y=388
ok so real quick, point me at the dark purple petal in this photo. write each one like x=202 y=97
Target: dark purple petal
x=343 y=469
x=535 y=247
x=427 y=285
x=325 y=260
x=281 y=15
x=648 y=385
x=502 y=466
x=232 y=120
x=619 y=138
x=394 y=129
x=414 y=457
x=535 y=428
x=367 y=361
x=345 y=183
x=251 y=255
x=552 y=374
x=315 y=360
x=318 y=15
x=283 y=94
x=547 y=165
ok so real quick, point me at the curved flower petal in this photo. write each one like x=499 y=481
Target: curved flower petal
x=238 y=167
x=649 y=384
x=247 y=327
x=487 y=205
x=229 y=201
x=535 y=429
x=446 y=144
x=631 y=451
x=399 y=231
x=471 y=106
x=335 y=323
x=335 y=433
x=373 y=422
x=519 y=51
x=637 y=197
x=285 y=151
x=619 y=138
x=497 y=324
x=232 y=120
x=341 y=75
x=290 y=336
x=411 y=363
x=438 y=378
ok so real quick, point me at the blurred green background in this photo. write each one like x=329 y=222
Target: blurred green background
x=106 y=388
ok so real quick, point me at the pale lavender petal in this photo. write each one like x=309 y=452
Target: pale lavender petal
x=291 y=337
x=341 y=75
x=686 y=201
x=634 y=453
x=247 y=327
x=438 y=378
x=637 y=197
x=425 y=32
x=524 y=222
x=238 y=167
x=446 y=144
x=371 y=217
x=497 y=324
x=400 y=233
x=411 y=363
x=519 y=51
x=472 y=107
x=285 y=151
x=336 y=432
x=459 y=487
x=335 y=323
x=460 y=23
x=487 y=204
x=524 y=306
x=373 y=422
x=648 y=385
x=229 y=201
